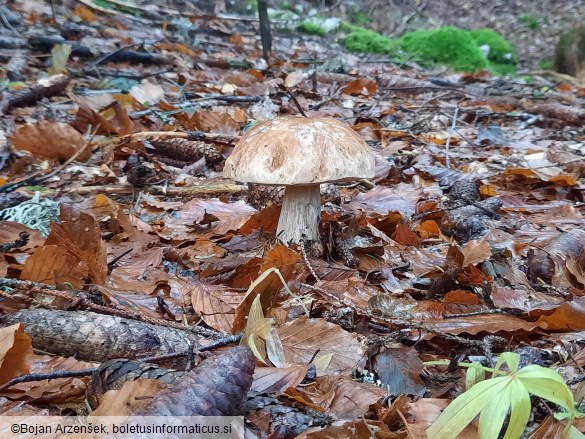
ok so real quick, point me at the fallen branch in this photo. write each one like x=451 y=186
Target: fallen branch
x=210 y=189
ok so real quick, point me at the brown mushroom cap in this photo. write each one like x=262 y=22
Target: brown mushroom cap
x=298 y=151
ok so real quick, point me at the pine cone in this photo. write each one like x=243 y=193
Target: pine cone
x=141 y=173
x=217 y=387
x=188 y=151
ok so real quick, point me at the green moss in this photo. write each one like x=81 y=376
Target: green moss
x=529 y=20
x=545 y=64
x=311 y=28
x=457 y=48
x=447 y=45
x=367 y=41
x=500 y=50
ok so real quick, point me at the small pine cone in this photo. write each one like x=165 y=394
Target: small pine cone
x=184 y=150
x=465 y=191
x=347 y=256
x=140 y=173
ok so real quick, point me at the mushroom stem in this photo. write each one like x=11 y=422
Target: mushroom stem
x=300 y=214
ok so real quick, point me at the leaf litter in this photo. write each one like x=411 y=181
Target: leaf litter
x=414 y=267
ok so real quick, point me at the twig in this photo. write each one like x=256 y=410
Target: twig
x=210 y=189
x=306 y=260
x=473 y=145
x=377 y=320
x=7 y=23
x=447 y=160
x=117 y=258
x=54 y=12
x=46 y=376
x=293 y=97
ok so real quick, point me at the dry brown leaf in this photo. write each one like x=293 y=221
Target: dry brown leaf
x=303 y=337
x=550 y=428
x=19 y=408
x=133 y=396
x=405 y=236
x=330 y=392
x=570 y=316
x=490 y=323
x=524 y=299
x=213 y=122
x=475 y=252
x=422 y=413
x=275 y=380
x=10 y=231
x=215 y=304
x=279 y=256
x=79 y=233
x=54 y=140
x=294 y=78
x=400 y=198
x=144 y=279
x=53 y=264
x=15 y=352
x=353 y=290
x=361 y=86
x=133 y=301
x=399 y=370
x=265 y=220
x=230 y=216
x=89 y=120
x=54 y=391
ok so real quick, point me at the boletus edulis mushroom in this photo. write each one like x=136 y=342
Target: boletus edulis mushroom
x=300 y=153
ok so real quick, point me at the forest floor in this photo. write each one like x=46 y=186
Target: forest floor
x=122 y=242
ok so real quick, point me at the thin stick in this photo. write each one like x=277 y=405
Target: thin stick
x=447 y=161
x=7 y=23
x=194 y=190
x=46 y=376
x=294 y=99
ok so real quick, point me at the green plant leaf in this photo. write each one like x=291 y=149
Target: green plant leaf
x=547 y=384
x=492 y=399
x=521 y=406
x=575 y=434
x=493 y=416
x=475 y=374
x=512 y=359
x=466 y=407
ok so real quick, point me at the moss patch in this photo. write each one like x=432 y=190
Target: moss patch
x=545 y=64
x=500 y=51
x=447 y=45
x=462 y=50
x=529 y=20
x=311 y=28
x=367 y=41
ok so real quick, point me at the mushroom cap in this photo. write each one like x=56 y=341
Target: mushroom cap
x=296 y=150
